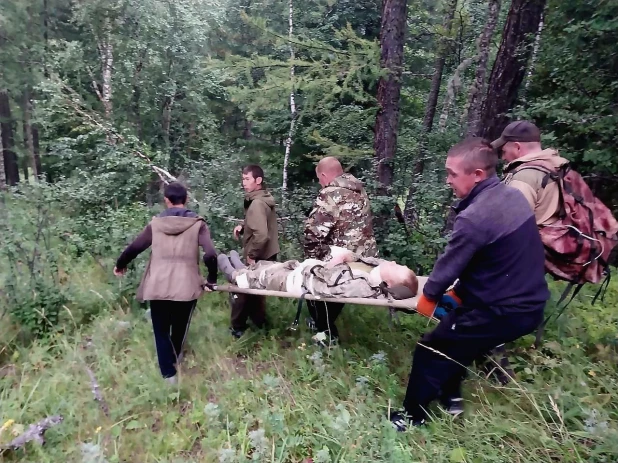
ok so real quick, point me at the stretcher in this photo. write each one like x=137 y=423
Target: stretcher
x=401 y=305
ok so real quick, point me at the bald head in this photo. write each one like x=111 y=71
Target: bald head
x=327 y=170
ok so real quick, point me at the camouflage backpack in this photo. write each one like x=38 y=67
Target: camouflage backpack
x=578 y=244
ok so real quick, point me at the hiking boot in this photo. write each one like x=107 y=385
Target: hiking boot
x=237 y=334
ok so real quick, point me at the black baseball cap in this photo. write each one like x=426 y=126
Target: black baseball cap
x=522 y=131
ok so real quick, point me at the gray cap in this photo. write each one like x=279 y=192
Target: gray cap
x=521 y=131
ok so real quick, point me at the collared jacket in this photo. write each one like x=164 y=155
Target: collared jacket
x=260 y=231
x=495 y=251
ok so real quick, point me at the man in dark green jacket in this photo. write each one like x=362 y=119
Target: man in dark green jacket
x=260 y=240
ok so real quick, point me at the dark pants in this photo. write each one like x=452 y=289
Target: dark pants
x=170 y=323
x=248 y=306
x=463 y=335
x=324 y=315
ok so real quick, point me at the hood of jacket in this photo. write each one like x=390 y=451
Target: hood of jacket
x=175 y=222
x=262 y=195
x=547 y=155
x=347 y=181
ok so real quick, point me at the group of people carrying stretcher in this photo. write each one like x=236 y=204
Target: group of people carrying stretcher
x=492 y=267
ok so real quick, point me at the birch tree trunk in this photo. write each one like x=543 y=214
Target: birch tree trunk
x=28 y=136
x=392 y=35
x=452 y=88
x=289 y=140
x=2 y=172
x=475 y=96
x=535 y=51
x=106 y=63
x=37 y=152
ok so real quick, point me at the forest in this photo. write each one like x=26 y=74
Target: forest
x=103 y=102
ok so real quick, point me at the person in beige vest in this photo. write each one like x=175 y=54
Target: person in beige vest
x=172 y=281
x=260 y=241
x=520 y=145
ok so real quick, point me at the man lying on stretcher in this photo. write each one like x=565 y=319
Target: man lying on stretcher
x=344 y=275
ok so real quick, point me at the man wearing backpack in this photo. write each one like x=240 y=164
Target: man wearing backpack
x=577 y=230
x=520 y=144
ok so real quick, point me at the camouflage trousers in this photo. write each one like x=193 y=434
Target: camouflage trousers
x=308 y=276
x=274 y=276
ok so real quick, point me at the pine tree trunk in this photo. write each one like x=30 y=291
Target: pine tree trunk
x=392 y=34
x=46 y=38
x=475 y=96
x=509 y=67
x=444 y=49
x=37 y=155
x=11 y=167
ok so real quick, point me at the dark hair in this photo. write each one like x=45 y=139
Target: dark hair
x=477 y=154
x=176 y=193
x=255 y=170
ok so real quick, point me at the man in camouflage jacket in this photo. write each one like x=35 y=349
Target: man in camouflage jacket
x=341 y=216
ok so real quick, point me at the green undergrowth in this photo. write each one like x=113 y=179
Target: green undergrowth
x=273 y=397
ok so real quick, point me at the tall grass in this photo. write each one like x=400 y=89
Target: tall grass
x=273 y=397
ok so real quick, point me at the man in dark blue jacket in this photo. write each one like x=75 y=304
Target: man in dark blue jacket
x=495 y=253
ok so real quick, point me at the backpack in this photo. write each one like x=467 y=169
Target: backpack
x=578 y=245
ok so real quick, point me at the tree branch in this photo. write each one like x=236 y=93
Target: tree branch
x=35 y=433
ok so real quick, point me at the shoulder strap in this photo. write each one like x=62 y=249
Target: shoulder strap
x=550 y=174
x=575 y=288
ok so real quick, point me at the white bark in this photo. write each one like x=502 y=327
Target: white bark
x=76 y=102
x=535 y=50
x=106 y=59
x=454 y=84
x=35 y=432
x=96 y=391
x=2 y=172
x=288 y=141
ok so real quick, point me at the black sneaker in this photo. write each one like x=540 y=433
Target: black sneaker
x=401 y=421
x=454 y=406
x=237 y=334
